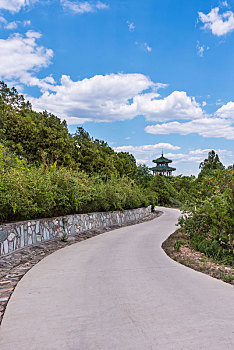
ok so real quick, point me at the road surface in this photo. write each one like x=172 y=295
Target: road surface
x=119 y=291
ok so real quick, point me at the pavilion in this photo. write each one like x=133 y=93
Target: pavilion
x=162 y=167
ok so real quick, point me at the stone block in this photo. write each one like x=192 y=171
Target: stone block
x=22 y=241
x=11 y=236
x=3 y=235
x=6 y=248
x=37 y=227
x=11 y=246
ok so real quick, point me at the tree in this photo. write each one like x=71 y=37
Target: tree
x=43 y=137
x=126 y=164
x=210 y=163
x=143 y=175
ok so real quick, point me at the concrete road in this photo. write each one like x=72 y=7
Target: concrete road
x=119 y=291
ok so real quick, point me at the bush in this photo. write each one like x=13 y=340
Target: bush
x=165 y=192
x=45 y=191
x=209 y=219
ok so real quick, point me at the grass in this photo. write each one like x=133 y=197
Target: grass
x=196 y=260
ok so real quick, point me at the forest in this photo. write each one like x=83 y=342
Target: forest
x=46 y=171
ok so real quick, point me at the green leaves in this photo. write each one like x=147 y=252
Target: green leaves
x=210 y=222
x=210 y=163
x=45 y=191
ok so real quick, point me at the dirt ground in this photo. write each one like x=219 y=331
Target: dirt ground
x=177 y=247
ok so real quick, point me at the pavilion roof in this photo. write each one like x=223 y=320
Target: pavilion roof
x=162 y=159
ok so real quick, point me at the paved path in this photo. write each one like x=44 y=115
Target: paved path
x=119 y=291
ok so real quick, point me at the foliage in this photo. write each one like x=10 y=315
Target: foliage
x=28 y=192
x=143 y=175
x=210 y=163
x=166 y=193
x=44 y=138
x=96 y=156
x=46 y=171
x=178 y=244
x=209 y=216
x=184 y=185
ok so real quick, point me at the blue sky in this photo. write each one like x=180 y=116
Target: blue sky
x=143 y=76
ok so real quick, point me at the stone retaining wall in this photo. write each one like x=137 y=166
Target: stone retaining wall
x=17 y=235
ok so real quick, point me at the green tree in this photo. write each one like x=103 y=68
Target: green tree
x=143 y=175
x=126 y=164
x=210 y=163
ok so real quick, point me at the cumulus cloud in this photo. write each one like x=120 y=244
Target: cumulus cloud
x=83 y=6
x=219 y=24
x=206 y=127
x=198 y=155
x=11 y=25
x=115 y=97
x=145 y=153
x=178 y=105
x=21 y=56
x=226 y=111
x=100 y=98
x=15 y=5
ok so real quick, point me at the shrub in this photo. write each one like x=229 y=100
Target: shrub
x=209 y=218
x=32 y=192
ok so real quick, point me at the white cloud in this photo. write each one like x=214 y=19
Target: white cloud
x=147 y=148
x=147 y=47
x=11 y=25
x=20 y=56
x=115 y=97
x=226 y=111
x=206 y=127
x=175 y=106
x=144 y=46
x=15 y=5
x=101 y=6
x=131 y=26
x=100 y=98
x=83 y=6
x=201 y=49
x=224 y=4
x=204 y=152
x=33 y=35
x=26 y=23
x=198 y=155
x=3 y=20
x=145 y=153
x=219 y=24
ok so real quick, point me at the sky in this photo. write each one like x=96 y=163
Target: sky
x=144 y=76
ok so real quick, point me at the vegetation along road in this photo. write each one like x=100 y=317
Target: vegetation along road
x=119 y=291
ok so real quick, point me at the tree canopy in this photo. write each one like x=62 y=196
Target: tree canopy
x=44 y=138
x=210 y=163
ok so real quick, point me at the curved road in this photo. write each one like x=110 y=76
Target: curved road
x=119 y=291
